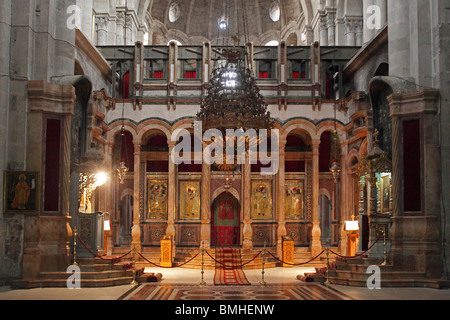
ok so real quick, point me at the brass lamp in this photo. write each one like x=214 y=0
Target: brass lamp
x=335 y=170
x=122 y=170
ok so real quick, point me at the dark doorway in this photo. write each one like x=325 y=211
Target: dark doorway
x=225 y=221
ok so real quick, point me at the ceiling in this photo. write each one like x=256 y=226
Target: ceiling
x=199 y=19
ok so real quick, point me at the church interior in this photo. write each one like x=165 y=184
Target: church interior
x=118 y=166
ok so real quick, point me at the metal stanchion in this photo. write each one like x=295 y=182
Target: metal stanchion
x=75 y=236
x=134 y=283
x=384 y=246
x=262 y=282
x=327 y=282
x=202 y=282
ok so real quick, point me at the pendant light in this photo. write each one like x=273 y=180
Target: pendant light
x=123 y=169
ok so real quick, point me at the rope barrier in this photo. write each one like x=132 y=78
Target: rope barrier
x=177 y=266
x=234 y=266
x=113 y=260
x=297 y=264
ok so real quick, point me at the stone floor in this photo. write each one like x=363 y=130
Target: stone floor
x=184 y=284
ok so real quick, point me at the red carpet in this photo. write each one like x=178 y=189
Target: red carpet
x=228 y=270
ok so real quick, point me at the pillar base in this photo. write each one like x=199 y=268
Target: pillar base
x=416 y=245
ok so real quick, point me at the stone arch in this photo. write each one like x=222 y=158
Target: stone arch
x=292 y=39
x=304 y=125
x=353 y=154
x=222 y=190
x=307 y=10
x=330 y=126
x=269 y=36
x=179 y=36
x=152 y=126
x=126 y=192
x=116 y=127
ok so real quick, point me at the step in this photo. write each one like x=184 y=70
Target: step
x=87 y=275
x=395 y=283
x=88 y=279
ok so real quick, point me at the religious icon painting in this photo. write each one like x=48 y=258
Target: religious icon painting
x=293 y=201
x=21 y=192
x=189 y=193
x=157 y=208
x=386 y=193
x=261 y=200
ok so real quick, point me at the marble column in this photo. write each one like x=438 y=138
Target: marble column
x=109 y=191
x=359 y=32
x=323 y=30
x=247 y=230
x=316 y=245
x=136 y=230
x=171 y=198
x=331 y=29
x=281 y=194
x=120 y=24
x=350 y=35
x=205 y=232
x=102 y=30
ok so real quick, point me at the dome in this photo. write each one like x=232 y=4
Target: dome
x=266 y=19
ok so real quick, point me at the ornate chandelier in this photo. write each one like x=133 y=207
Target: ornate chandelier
x=233 y=100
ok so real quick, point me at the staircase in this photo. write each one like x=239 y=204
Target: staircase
x=353 y=272
x=95 y=273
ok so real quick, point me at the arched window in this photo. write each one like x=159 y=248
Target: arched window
x=273 y=43
x=175 y=41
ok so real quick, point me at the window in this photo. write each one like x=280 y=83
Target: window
x=155 y=69
x=273 y=43
x=274 y=11
x=298 y=69
x=174 y=12
x=190 y=69
x=176 y=41
x=266 y=69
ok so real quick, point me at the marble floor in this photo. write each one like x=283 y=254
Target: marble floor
x=188 y=279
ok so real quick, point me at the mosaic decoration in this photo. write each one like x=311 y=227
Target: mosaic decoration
x=294 y=200
x=298 y=232
x=156 y=233
x=157 y=200
x=189 y=236
x=261 y=200
x=189 y=200
x=261 y=235
x=300 y=291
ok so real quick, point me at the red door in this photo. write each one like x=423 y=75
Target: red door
x=225 y=221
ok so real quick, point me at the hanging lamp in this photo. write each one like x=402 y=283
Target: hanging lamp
x=123 y=169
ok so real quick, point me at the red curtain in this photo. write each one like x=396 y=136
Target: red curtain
x=158 y=74
x=52 y=164
x=190 y=75
x=263 y=74
x=412 y=166
x=295 y=75
x=126 y=86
